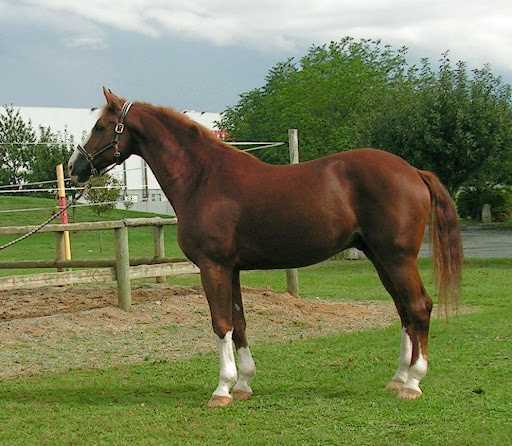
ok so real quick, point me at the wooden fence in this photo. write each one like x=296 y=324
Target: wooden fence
x=121 y=269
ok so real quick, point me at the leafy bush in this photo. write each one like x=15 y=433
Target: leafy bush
x=27 y=154
x=471 y=199
x=102 y=193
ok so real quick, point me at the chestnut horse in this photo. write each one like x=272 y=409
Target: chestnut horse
x=236 y=213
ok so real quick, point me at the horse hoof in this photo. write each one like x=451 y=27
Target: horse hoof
x=406 y=393
x=219 y=401
x=394 y=385
x=241 y=395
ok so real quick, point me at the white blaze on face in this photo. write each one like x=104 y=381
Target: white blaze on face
x=227 y=372
x=71 y=163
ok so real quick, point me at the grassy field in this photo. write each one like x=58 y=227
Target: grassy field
x=328 y=390
x=85 y=245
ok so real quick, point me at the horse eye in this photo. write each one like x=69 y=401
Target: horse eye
x=99 y=127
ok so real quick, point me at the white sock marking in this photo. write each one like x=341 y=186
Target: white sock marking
x=227 y=367
x=416 y=373
x=247 y=369
x=405 y=358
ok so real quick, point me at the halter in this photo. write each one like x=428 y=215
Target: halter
x=118 y=131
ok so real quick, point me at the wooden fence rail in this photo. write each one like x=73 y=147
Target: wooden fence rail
x=92 y=225
x=121 y=269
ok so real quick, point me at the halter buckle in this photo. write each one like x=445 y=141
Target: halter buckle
x=119 y=128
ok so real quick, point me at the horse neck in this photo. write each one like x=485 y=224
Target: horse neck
x=179 y=163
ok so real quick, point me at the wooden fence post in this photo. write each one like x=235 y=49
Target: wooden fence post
x=60 y=250
x=124 y=290
x=61 y=196
x=159 y=239
x=292 y=275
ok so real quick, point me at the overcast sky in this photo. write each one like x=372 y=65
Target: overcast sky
x=201 y=54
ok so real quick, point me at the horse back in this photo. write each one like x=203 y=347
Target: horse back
x=257 y=215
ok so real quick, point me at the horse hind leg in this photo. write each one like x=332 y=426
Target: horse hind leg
x=402 y=280
x=246 y=366
x=416 y=307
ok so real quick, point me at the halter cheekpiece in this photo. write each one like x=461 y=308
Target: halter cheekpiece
x=118 y=131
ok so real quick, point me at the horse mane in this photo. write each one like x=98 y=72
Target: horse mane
x=185 y=126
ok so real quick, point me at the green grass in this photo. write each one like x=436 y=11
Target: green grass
x=497 y=225
x=84 y=245
x=328 y=390
x=359 y=281
x=322 y=391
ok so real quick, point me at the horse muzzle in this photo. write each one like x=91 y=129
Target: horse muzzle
x=79 y=168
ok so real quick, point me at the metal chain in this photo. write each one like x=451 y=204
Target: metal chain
x=42 y=225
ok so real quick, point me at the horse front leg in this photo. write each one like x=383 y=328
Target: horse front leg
x=217 y=284
x=246 y=365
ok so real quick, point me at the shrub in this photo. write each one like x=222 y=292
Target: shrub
x=471 y=199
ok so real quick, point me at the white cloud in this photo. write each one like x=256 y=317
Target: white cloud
x=86 y=42
x=474 y=30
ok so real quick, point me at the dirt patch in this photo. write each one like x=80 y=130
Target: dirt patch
x=56 y=329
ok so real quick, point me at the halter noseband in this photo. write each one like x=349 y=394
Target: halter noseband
x=118 y=131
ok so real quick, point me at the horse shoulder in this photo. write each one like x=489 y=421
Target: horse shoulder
x=209 y=230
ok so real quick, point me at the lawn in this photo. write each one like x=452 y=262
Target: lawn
x=328 y=390
x=84 y=245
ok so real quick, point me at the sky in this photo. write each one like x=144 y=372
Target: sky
x=202 y=54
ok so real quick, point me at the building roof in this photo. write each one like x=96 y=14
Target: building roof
x=76 y=121
x=79 y=121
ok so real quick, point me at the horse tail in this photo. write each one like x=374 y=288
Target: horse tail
x=446 y=243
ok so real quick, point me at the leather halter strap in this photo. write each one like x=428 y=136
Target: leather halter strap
x=118 y=131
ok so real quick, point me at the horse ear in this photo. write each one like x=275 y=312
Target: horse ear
x=113 y=101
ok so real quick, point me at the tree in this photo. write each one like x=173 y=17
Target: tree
x=102 y=193
x=16 y=145
x=454 y=123
x=362 y=93
x=52 y=149
x=26 y=155
x=331 y=95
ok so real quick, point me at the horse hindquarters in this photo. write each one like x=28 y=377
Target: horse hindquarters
x=391 y=237
x=395 y=257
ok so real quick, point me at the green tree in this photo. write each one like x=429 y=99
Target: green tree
x=52 y=149
x=26 y=155
x=351 y=93
x=102 y=192
x=331 y=95
x=16 y=146
x=454 y=123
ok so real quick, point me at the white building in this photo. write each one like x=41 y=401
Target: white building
x=141 y=185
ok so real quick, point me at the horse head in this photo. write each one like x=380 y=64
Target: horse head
x=110 y=141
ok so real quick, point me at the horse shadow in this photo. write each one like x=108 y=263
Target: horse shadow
x=183 y=395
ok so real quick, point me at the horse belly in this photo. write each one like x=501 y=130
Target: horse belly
x=294 y=244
